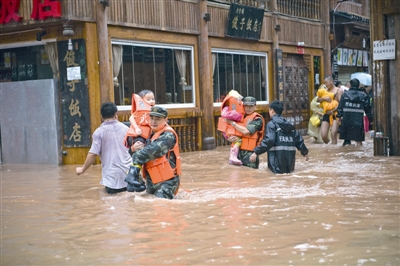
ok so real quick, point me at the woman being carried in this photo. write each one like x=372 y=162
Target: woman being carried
x=327 y=107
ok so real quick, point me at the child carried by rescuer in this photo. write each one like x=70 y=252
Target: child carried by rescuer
x=232 y=109
x=139 y=129
x=327 y=106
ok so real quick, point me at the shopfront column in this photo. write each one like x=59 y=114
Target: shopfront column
x=104 y=60
x=206 y=92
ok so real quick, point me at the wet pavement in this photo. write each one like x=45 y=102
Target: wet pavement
x=340 y=208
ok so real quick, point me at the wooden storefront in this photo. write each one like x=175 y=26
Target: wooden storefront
x=161 y=23
x=385 y=23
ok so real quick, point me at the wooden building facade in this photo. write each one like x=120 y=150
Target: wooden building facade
x=350 y=38
x=106 y=50
x=385 y=24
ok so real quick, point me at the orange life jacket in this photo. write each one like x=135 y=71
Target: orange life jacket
x=140 y=111
x=249 y=142
x=160 y=169
x=233 y=103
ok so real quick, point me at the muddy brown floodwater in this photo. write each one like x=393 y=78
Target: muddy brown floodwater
x=340 y=208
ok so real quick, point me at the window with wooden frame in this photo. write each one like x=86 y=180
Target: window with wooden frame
x=243 y=71
x=165 y=69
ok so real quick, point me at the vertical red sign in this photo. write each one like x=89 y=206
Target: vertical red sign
x=9 y=11
x=43 y=9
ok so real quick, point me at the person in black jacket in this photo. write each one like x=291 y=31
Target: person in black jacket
x=351 y=110
x=281 y=140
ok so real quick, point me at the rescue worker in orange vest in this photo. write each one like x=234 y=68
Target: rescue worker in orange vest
x=248 y=134
x=159 y=160
x=139 y=129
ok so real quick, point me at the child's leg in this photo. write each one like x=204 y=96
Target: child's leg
x=132 y=141
x=233 y=158
x=129 y=142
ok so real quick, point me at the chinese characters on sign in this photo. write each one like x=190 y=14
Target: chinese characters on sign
x=385 y=50
x=73 y=73
x=279 y=73
x=295 y=120
x=41 y=10
x=9 y=11
x=74 y=94
x=45 y=9
x=335 y=68
x=244 y=22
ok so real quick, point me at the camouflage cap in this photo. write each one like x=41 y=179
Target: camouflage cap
x=158 y=111
x=249 y=100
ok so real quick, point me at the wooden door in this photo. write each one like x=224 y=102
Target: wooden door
x=296 y=92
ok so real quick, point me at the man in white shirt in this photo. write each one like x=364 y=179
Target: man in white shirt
x=108 y=143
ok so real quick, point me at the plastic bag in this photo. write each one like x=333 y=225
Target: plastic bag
x=315 y=120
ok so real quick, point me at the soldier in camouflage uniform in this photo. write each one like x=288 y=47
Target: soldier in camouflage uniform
x=163 y=143
x=256 y=125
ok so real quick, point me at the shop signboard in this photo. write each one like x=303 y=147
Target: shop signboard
x=384 y=50
x=335 y=68
x=41 y=10
x=74 y=93
x=279 y=73
x=244 y=22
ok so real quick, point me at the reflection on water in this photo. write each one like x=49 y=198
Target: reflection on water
x=339 y=208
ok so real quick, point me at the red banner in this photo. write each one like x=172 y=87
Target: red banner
x=9 y=11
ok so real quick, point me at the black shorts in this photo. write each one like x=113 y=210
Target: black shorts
x=326 y=118
x=115 y=190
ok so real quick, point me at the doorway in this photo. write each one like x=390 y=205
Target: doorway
x=296 y=91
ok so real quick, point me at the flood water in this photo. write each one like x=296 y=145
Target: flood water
x=340 y=208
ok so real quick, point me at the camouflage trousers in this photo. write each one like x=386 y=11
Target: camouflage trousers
x=164 y=189
x=244 y=157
